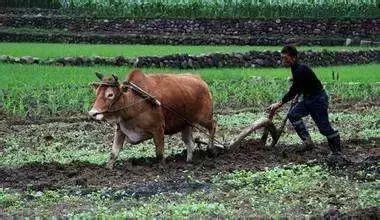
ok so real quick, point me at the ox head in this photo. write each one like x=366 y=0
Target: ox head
x=108 y=93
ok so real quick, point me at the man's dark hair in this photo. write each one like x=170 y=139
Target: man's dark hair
x=290 y=50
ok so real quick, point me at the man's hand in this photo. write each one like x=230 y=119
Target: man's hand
x=273 y=108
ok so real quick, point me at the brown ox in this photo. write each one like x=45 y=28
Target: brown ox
x=137 y=120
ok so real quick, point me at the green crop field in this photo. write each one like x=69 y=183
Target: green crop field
x=49 y=90
x=45 y=50
x=53 y=155
x=212 y=9
x=229 y=8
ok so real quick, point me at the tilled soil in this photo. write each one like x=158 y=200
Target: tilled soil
x=144 y=176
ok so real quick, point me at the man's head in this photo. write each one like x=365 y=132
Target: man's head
x=289 y=55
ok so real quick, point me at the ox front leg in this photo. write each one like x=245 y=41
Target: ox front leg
x=212 y=131
x=118 y=141
x=158 y=138
x=210 y=125
x=187 y=137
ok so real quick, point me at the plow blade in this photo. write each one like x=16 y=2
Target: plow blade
x=265 y=123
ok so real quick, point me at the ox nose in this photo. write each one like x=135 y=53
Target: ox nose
x=93 y=112
x=96 y=114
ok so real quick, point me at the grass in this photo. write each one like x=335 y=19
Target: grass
x=48 y=50
x=14 y=75
x=34 y=90
x=279 y=189
x=294 y=191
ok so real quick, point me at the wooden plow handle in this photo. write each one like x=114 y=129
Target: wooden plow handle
x=265 y=123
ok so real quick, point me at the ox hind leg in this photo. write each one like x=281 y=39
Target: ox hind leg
x=118 y=141
x=210 y=125
x=187 y=137
x=158 y=139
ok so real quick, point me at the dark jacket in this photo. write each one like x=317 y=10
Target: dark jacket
x=304 y=82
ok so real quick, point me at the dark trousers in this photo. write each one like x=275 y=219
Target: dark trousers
x=317 y=107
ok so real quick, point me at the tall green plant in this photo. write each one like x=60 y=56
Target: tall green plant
x=228 y=8
x=32 y=3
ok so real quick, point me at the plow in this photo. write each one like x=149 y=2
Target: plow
x=265 y=124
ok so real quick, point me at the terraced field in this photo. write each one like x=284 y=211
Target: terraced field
x=53 y=155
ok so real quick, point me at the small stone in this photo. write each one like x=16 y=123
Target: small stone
x=27 y=59
x=348 y=42
x=365 y=42
x=317 y=31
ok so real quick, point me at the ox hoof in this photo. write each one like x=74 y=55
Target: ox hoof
x=162 y=165
x=110 y=165
x=189 y=159
x=211 y=152
x=190 y=163
x=161 y=160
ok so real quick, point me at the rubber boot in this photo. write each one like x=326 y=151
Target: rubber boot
x=307 y=145
x=336 y=156
x=335 y=144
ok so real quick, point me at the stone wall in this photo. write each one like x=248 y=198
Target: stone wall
x=361 y=28
x=60 y=28
x=185 y=61
x=11 y=36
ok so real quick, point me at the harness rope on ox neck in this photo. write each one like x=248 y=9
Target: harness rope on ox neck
x=142 y=93
x=152 y=99
x=124 y=88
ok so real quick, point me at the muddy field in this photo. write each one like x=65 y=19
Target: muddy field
x=142 y=174
x=70 y=154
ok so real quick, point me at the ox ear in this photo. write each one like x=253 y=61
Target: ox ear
x=115 y=77
x=94 y=86
x=124 y=87
x=99 y=75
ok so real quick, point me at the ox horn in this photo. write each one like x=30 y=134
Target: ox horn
x=115 y=77
x=99 y=75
